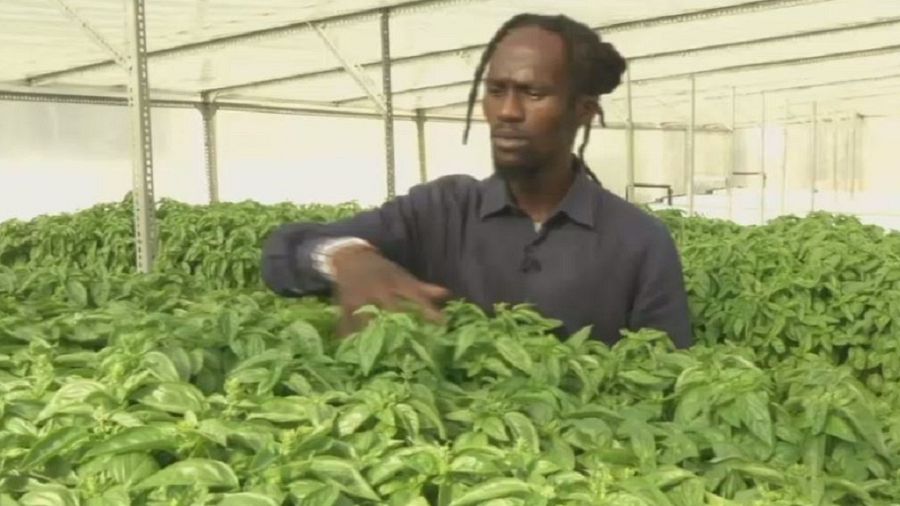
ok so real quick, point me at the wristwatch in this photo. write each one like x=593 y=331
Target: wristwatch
x=325 y=251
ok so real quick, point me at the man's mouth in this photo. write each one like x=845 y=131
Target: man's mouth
x=509 y=141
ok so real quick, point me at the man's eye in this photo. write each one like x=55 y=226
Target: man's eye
x=494 y=90
x=536 y=94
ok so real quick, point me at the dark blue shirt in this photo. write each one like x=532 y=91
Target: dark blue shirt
x=598 y=260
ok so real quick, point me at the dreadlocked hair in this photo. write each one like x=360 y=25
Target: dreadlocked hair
x=595 y=67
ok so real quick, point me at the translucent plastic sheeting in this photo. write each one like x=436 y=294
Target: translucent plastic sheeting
x=857 y=177
x=62 y=158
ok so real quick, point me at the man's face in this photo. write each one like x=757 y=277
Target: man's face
x=527 y=102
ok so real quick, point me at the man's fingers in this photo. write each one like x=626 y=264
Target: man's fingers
x=434 y=292
x=423 y=303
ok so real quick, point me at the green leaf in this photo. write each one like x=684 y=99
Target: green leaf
x=191 y=472
x=185 y=363
x=162 y=367
x=247 y=499
x=515 y=354
x=839 y=428
x=77 y=293
x=173 y=398
x=497 y=488
x=353 y=418
x=561 y=453
x=759 y=471
x=865 y=422
x=642 y=378
x=306 y=338
x=664 y=478
x=474 y=464
x=309 y=493
x=100 y=291
x=579 y=338
x=429 y=413
x=523 y=430
x=409 y=418
x=345 y=475
x=54 y=444
x=642 y=441
x=214 y=430
x=49 y=496
x=754 y=410
x=71 y=393
x=131 y=468
x=493 y=427
x=464 y=340
x=6 y=499
x=370 y=342
x=135 y=439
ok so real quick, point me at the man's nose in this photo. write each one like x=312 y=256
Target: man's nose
x=511 y=107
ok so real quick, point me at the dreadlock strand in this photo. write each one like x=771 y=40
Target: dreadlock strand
x=473 y=95
x=584 y=141
x=482 y=65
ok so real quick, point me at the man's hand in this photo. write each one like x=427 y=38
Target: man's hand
x=363 y=277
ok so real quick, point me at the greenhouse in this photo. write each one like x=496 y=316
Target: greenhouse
x=192 y=192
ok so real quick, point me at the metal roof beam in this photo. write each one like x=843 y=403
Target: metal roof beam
x=92 y=33
x=236 y=39
x=307 y=109
x=338 y=70
x=372 y=93
x=407 y=91
x=701 y=49
x=741 y=68
x=754 y=6
x=875 y=51
x=762 y=89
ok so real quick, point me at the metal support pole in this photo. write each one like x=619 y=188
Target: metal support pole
x=693 y=145
x=210 y=144
x=784 y=134
x=629 y=188
x=389 y=101
x=848 y=131
x=784 y=158
x=729 y=180
x=139 y=97
x=420 y=135
x=762 y=161
x=815 y=156
x=835 y=134
x=854 y=154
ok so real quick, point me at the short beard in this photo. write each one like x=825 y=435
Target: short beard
x=517 y=172
x=524 y=169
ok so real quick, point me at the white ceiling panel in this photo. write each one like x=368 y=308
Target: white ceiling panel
x=265 y=51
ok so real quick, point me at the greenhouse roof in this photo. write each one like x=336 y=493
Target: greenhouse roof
x=843 y=55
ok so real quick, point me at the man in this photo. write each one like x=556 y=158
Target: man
x=540 y=230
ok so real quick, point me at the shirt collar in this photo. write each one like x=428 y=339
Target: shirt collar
x=578 y=204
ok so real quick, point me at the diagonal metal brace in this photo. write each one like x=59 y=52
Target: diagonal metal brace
x=92 y=33
x=355 y=71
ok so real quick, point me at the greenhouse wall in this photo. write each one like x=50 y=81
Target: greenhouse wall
x=61 y=158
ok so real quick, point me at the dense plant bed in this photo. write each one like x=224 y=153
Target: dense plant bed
x=193 y=386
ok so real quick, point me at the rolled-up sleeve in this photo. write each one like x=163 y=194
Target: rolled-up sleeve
x=287 y=267
x=661 y=301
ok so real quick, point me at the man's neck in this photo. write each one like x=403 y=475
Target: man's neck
x=539 y=195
